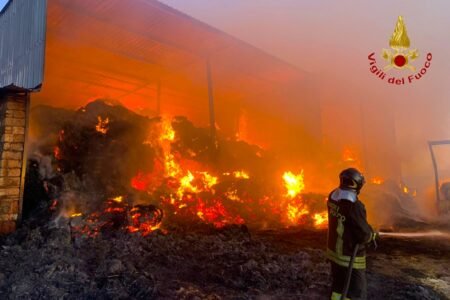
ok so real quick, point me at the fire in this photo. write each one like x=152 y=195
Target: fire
x=238 y=174
x=405 y=189
x=166 y=137
x=297 y=210
x=140 y=182
x=140 y=219
x=217 y=214
x=144 y=219
x=102 y=125
x=295 y=213
x=377 y=180
x=144 y=228
x=321 y=219
x=171 y=167
x=57 y=152
x=167 y=132
x=408 y=190
x=348 y=155
x=241 y=174
x=118 y=199
x=209 y=180
x=54 y=205
x=195 y=184
x=293 y=183
x=242 y=131
x=233 y=196
x=187 y=189
x=186 y=185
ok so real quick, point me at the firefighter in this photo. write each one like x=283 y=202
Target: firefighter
x=347 y=228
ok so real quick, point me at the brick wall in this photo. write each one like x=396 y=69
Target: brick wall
x=13 y=122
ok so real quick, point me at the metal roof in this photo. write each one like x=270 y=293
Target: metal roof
x=22 y=44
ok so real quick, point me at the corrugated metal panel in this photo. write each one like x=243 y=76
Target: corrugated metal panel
x=22 y=43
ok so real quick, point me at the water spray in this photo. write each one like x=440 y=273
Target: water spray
x=423 y=234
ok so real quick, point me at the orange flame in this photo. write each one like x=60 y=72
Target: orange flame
x=208 y=180
x=321 y=219
x=295 y=213
x=57 y=152
x=294 y=184
x=102 y=125
x=348 y=155
x=140 y=182
x=167 y=132
x=118 y=199
x=241 y=174
x=233 y=196
x=377 y=180
x=186 y=185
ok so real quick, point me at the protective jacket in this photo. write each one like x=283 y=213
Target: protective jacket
x=347 y=227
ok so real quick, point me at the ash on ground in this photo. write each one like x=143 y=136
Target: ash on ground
x=231 y=263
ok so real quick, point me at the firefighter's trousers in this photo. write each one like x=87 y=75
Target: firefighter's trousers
x=358 y=283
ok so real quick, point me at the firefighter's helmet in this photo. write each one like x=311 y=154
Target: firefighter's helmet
x=351 y=179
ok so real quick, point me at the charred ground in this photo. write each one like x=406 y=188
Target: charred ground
x=206 y=263
x=189 y=257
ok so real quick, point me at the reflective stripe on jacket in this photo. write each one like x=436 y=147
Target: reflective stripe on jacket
x=347 y=227
x=337 y=296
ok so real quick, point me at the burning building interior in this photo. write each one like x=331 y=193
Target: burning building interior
x=155 y=157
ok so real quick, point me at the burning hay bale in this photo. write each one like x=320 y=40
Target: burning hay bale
x=105 y=151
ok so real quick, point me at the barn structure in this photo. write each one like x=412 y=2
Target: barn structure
x=150 y=58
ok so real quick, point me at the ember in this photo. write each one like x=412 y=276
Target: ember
x=241 y=174
x=145 y=219
x=102 y=125
x=321 y=220
x=118 y=216
x=348 y=155
x=173 y=173
x=377 y=180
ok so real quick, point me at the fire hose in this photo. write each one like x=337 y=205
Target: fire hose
x=434 y=233
x=349 y=273
x=350 y=267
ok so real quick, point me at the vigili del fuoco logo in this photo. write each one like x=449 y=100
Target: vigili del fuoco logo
x=400 y=57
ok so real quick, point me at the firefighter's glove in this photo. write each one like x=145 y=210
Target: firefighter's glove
x=375 y=236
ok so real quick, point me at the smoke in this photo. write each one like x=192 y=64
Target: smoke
x=308 y=119
x=388 y=125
